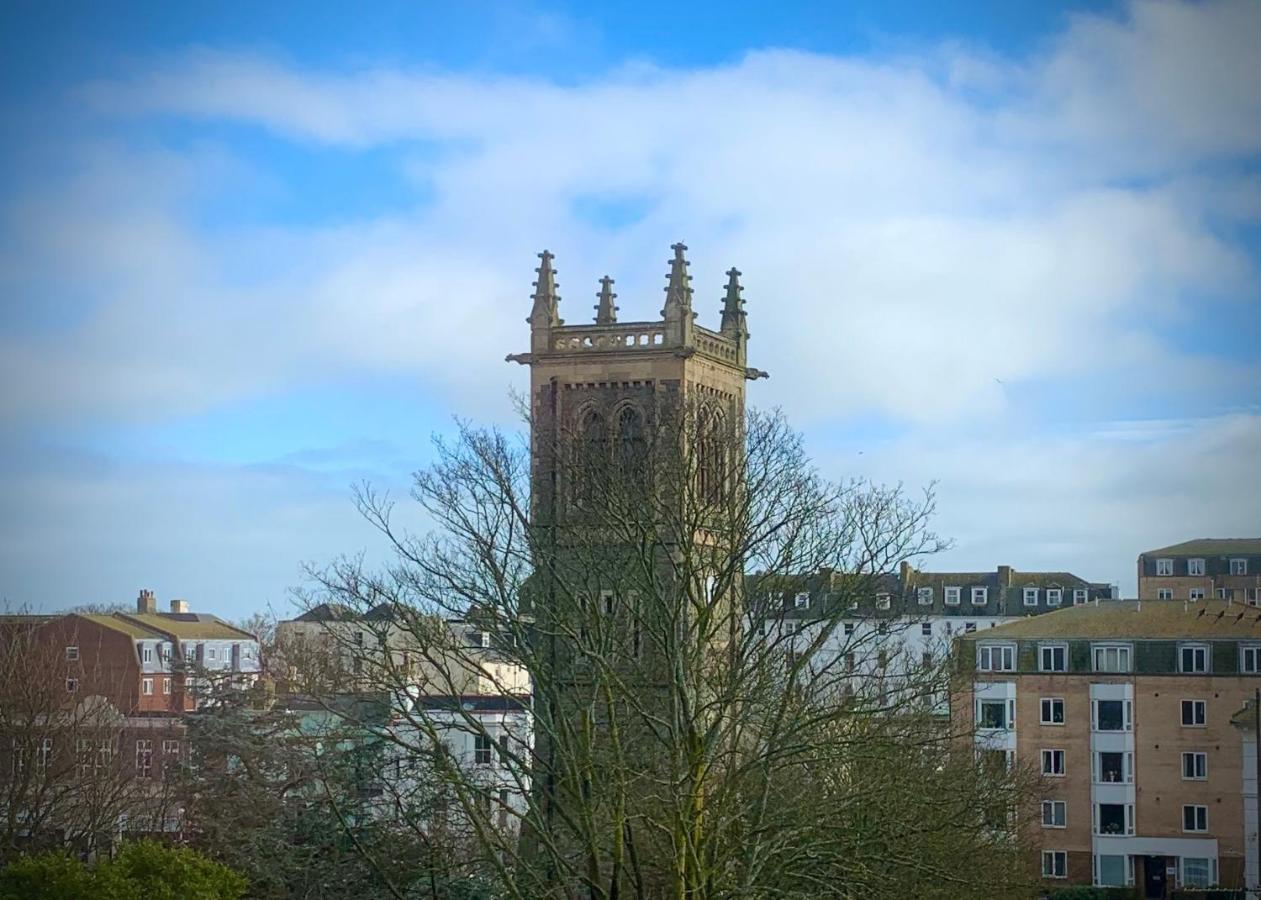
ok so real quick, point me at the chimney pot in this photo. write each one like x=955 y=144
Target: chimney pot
x=146 y=602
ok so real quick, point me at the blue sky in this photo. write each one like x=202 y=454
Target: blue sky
x=253 y=254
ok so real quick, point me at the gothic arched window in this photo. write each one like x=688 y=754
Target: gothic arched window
x=630 y=433
x=709 y=454
x=589 y=463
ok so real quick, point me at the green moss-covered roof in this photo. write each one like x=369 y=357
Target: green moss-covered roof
x=1210 y=547
x=1123 y=619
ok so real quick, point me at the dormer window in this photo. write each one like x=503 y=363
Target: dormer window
x=882 y=601
x=1054 y=596
x=801 y=601
x=925 y=596
x=1031 y=596
x=980 y=596
x=952 y=596
x=146 y=653
x=1164 y=567
x=1079 y=596
x=1195 y=567
x=1239 y=567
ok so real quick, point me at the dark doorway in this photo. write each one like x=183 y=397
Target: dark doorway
x=1154 y=876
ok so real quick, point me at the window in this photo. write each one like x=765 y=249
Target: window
x=144 y=759
x=482 y=746
x=1222 y=593
x=1054 y=596
x=993 y=714
x=969 y=627
x=952 y=596
x=1250 y=659
x=801 y=601
x=1112 y=715
x=1114 y=767
x=849 y=629
x=1194 y=713
x=45 y=754
x=1195 y=818
x=1164 y=594
x=1239 y=567
x=165 y=652
x=146 y=686
x=72 y=653
x=1112 y=871
x=882 y=601
x=1194 y=766
x=926 y=629
x=925 y=596
x=980 y=596
x=1052 y=711
x=1197 y=871
x=1079 y=596
x=607 y=605
x=146 y=654
x=1112 y=658
x=171 y=751
x=851 y=661
x=1053 y=762
x=996 y=658
x=72 y=685
x=1031 y=596
x=166 y=685
x=1164 y=567
x=505 y=756
x=1193 y=658
x=1195 y=567
x=1114 y=818
x=1054 y=814
x=1054 y=864
x=210 y=651
x=1053 y=658
x=927 y=659
x=1195 y=594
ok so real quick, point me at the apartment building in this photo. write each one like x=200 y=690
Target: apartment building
x=1131 y=711
x=1217 y=568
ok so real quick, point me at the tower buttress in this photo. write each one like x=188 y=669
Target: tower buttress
x=734 y=319
x=605 y=311
x=545 y=314
x=677 y=312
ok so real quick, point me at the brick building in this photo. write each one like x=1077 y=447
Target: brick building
x=1220 y=568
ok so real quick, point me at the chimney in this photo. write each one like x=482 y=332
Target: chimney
x=904 y=572
x=146 y=602
x=1004 y=577
x=179 y=606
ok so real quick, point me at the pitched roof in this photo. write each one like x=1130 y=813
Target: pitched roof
x=1209 y=547
x=187 y=626
x=328 y=612
x=115 y=623
x=1133 y=619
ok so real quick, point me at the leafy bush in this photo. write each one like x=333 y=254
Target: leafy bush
x=145 y=870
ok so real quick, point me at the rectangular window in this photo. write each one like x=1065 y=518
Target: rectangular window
x=1054 y=814
x=1053 y=658
x=144 y=759
x=1164 y=593
x=72 y=653
x=849 y=629
x=1197 y=872
x=993 y=714
x=882 y=601
x=1194 y=818
x=1164 y=567
x=1112 y=715
x=927 y=660
x=72 y=685
x=505 y=756
x=1052 y=711
x=1079 y=596
x=1112 y=658
x=146 y=654
x=969 y=627
x=801 y=601
x=45 y=754
x=1054 y=596
x=926 y=629
x=171 y=749
x=146 y=686
x=952 y=596
x=165 y=653
x=1193 y=658
x=1194 y=766
x=1114 y=768
x=851 y=661
x=1114 y=818
x=925 y=596
x=166 y=685
x=1053 y=762
x=996 y=658
x=1194 y=713
x=1054 y=864
x=1195 y=594
x=1250 y=659
x=1031 y=596
x=210 y=651
x=1112 y=871
x=1195 y=567
x=1239 y=567
x=482 y=747
x=980 y=596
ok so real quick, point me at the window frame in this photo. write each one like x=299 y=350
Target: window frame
x=953 y=596
x=72 y=653
x=1029 y=594
x=1081 y=596
x=1195 y=704
x=72 y=685
x=146 y=687
x=884 y=600
x=483 y=749
x=801 y=600
x=1246 y=650
x=1199 y=765
x=1196 y=567
x=983 y=593
x=1060 y=871
x=1054 y=596
x=1052 y=646
x=1008 y=715
x=1048 y=757
x=924 y=596
x=1195 y=593
x=1193 y=648
x=1052 y=806
x=1199 y=816
x=984 y=650
x=1120 y=649
x=1164 y=568
x=1048 y=704
x=925 y=629
x=1164 y=593
x=1242 y=568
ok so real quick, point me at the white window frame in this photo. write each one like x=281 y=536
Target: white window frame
x=1195 y=593
x=1127 y=716
x=1052 y=806
x=1122 y=651
x=1127 y=767
x=1006 y=653
x=1164 y=567
x=883 y=600
x=1128 y=874
x=72 y=652
x=1199 y=816
x=1080 y=596
x=924 y=596
x=1195 y=568
x=1198 y=760
x=953 y=596
x=1200 y=654
x=969 y=627
x=801 y=601
x=483 y=754
x=1030 y=596
x=1048 y=704
x=1055 y=864
x=146 y=687
x=1201 y=706
x=1210 y=871
x=1164 y=593
x=1048 y=762
x=1052 y=647
x=1221 y=593
x=72 y=685
x=1009 y=714
x=983 y=593
x=1054 y=596
x=1239 y=567
x=1250 y=659
x=146 y=653
x=1127 y=814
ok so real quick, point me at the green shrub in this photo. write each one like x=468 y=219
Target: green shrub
x=145 y=870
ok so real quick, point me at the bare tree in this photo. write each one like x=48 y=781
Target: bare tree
x=687 y=741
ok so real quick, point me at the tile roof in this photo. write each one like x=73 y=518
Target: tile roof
x=186 y=626
x=1209 y=547
x=116 y=623
x=1126 y=619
